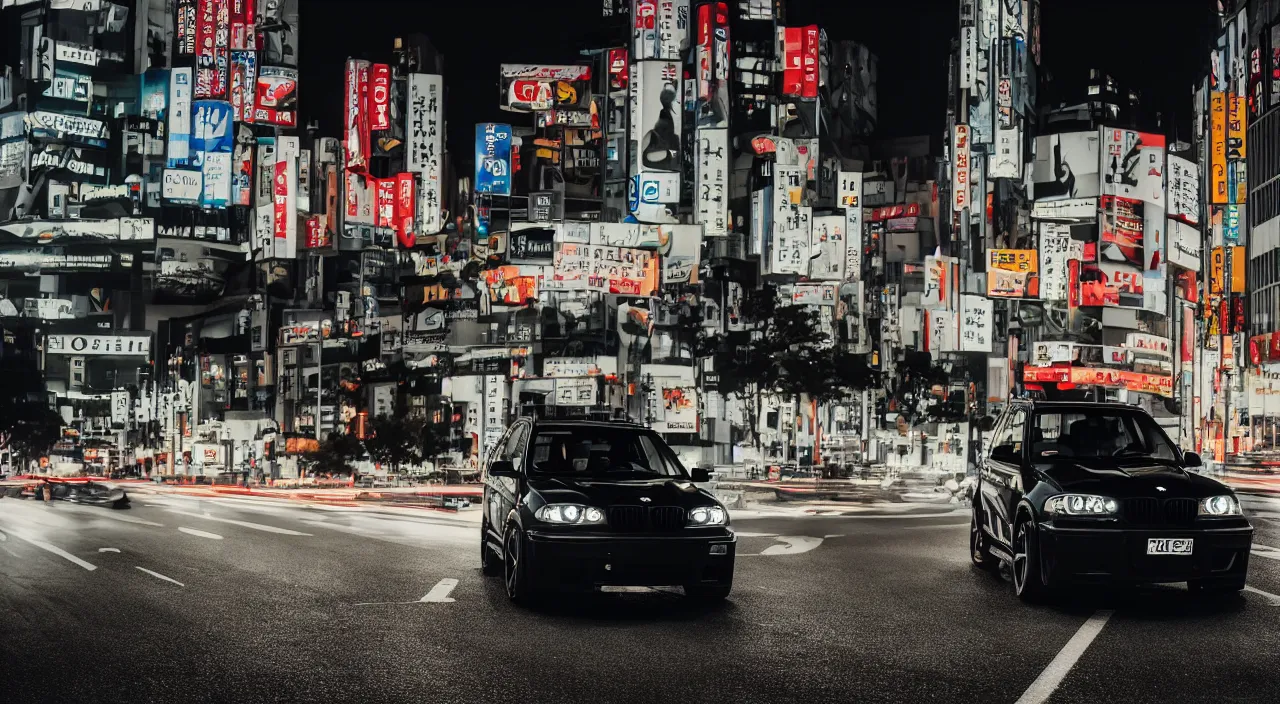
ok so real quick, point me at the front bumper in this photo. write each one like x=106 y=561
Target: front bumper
x=1081 y=555
x=588 y=561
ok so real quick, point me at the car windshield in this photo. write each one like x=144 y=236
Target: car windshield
x=602 y=451
x=1098 y=433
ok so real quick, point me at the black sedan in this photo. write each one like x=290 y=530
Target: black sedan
x=577 y=505
x=1078 y=493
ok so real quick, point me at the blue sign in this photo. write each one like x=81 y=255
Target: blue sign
x=493 y=159
x=212 y=130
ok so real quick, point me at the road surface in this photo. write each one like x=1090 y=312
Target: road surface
x=204 y=600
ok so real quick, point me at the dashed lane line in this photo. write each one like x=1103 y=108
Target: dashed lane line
x=157 y=575
x=57 y=551
x=440 y=592
x=115 y=550
x=242 y=524
x=199 y=533
x=792 y=545
x=1047 y=683
x=1275 y=600
x=1266 y=551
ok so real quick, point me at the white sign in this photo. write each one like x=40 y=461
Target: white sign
x=968 y=56
x=1184 y=190
x=1069 y=209
x=960 y=167
x=1184 y=245
x=675 y=407
x=58 y=125
x=575 y=392
x=70 y=87
x=139 y=346
x=71 y=53
x=556 y=367
x=976 y=322
x=286 y=233
x=789 y=244
x=50 y=232
x=828 y=248
x=119 y=408
x=179 y=134
x=1006 y=161
x=1056 y=249
x=182 y=186
x=849 y=195
x=425 y=145
x=711 y=182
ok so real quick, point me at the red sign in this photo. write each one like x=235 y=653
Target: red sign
x=893 y=212
x=809 y=67
x=353 y=195
x=386 y=202
x=380 y=97
x=792 y=63
x=316 y=236
x=280 y=193
x=206 y=47
x=243 y=36
x=356 y=124
x=618 y=69
x=405 y=210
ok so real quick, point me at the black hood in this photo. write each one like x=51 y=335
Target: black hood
x=1129 y=479
x=603 y=493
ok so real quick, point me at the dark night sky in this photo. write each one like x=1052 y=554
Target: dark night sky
x=1154 y=46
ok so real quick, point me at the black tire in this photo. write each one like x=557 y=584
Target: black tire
x=708 y=592
x=1027 y=581
x=979 y=549
x=515 y=568
x=489 y=563
x=1212 y=588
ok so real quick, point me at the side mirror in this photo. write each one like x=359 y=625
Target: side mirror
x=700 y=474
x=503 y=468
x=1191 y=459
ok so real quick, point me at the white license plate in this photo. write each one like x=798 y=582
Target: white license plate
x=1169 y=546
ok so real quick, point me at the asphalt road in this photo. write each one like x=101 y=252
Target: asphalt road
x=203 y=600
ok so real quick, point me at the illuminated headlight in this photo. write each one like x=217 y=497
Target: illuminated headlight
x=571 y=514
x=1081 y=505
x=708 y=516
x=1219 y=506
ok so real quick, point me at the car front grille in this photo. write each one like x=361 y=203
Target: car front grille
x=1157 y=512
x=642 y=519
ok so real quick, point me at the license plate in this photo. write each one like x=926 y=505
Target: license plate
x=1169 y=546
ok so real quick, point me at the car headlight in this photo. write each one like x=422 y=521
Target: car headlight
x=1218 y=506
x=570 y=514
x=1081 y=505
x=708 y=516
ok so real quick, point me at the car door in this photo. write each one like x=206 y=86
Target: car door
x=507 y=489
x=494 y=489
x=1002 y=484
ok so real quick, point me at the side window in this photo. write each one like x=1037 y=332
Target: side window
x=498 y=450
x=511 y=450
x=1009 y=437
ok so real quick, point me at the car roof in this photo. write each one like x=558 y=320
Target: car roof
x=566 y=424
x=1082 y=405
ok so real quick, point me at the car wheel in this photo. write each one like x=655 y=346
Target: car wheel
x=1027 y=583
x=707 y=592
x=1204 y=587
x=488 y=561
x=514 y=567
x=979 y=550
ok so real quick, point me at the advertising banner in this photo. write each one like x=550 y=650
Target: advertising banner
x=680 y=247
x=711 y=181
x=13 y=149
x=59 y=231
x=939 y=279
x=1184 y=245
x=425 y=145
x=652 y=197
x=617 y=234
x=244 y=84
x=1218 y=148
x=99 y=345
x=575 y=391
x=712 y=65
x=386 y=195
x=179 y=133
x=617 y=270
x=531 y=244
x=493 y=159
x=677 y=407
x=406 y=210
x=38 y=261
x=213 y=44
x=1057 y=249
x=1066 y=166
x=1133 y=165
x=355 y=130
x=656 y=117
x=1236 y=117
x=960 y=168
x=182 y=187
x=1006 y=160
x=1123 y=221
x=976 y=323
x=1184 y=190
x=849 y=197
x=829 y=248
x=1013 y=273
x=380 y=97
x=791 y=226
x=275 y=99
x=284 y=197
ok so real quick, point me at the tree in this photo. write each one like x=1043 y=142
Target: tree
x=435 y=442
x=396 y=440
x=787 y=353
x=28 y=429
x=335 y=454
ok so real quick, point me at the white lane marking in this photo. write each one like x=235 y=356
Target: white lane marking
x=157 y=575
x=115 y=550
x=130 y=519
x=1048 y=681
x=944 y=525
x=199 y=533
x=792 y=545
x=11 y=552
x=1266 y=551
x=907 y=515
x=440 y=593
x=58 y=551
x=1275 y=600
x=742 y=534
x=243 y=524
x=837 y=535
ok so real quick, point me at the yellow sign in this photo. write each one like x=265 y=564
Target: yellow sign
x=1237 y=114
x=1217 y=270
x=1218 y=147
x=1237 y=269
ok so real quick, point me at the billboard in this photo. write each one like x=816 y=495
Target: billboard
x=960 y=168
x=275 y=97
x=1013 y=273
x=425 y=145
x=1066 y=166
x=711 y=181
x=46 y=232
x=712 y=65
x=828 y=247
x=656 y=115
x=1133 y=165
x=791 y=227
x=1218 y=148
x=493 y=159
x=355 y=132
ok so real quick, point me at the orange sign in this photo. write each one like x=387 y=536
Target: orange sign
x=1218 y=148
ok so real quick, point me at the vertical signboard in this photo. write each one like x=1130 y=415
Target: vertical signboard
x=284 y=197
x=1218 y=148
x=493 y=159
x=356 y=140
x=849 y=197
x=212 y=143
x=711 y=175
x=960 y=168
x=425 y=144
x=656 y=118
x=789 y=244
x=179 y=116
x=380 y=97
